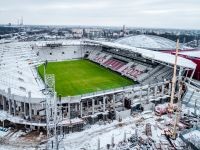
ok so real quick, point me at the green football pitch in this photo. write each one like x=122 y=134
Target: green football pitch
x=82 y=76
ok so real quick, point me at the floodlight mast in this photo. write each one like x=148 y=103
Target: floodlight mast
x=174 y=77
x=53 y=113
x=45 y=65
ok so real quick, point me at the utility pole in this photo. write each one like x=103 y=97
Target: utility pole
x=170 y=109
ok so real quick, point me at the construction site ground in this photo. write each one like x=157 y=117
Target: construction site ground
x=145 y=125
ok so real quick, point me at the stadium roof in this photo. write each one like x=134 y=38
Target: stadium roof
x=16 y=70
x=154 y=55
x=195 y=54
x=149 y=42
x=63 y=42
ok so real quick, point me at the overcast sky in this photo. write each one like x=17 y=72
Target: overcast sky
x=133 y=13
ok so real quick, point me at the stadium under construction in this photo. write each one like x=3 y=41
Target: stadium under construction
x=32 y=99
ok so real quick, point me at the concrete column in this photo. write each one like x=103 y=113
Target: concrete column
x=148 y=92
x=191 y=76
x=22 y=107
x=170 y=88
x=35 y=111
x=76 y=106
x=93 y=106
x=81 y=108
x=9 y=92
x=104 y=104
x=10 y=106
x=155 y=91
x=114 y=98
x=14 y=107
x=30 y=105
x=4 y=103
x=69 y=111
x=9 y=101
x=2 y=100
x=180 y=73
x=25 y=109
x=140 y=95
x=163 y=88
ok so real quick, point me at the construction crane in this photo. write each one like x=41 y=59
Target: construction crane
x=171 y=104
x=178 y=111
x=172 y=133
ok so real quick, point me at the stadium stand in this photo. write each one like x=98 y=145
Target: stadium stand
x=160 y=73
x=191 y=97
x=134 y=69
x=114 y=64
x=98 y=57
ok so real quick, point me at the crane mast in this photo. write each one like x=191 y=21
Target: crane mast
x=170 y=109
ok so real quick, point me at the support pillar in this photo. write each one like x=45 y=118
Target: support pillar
x=148 y=93
x=180 y=73
x=81 y=109
x=14 y=107
x=192 y=75
x=69 y=113
x=1 y=101
x=114 y=99
x=10 y=106
x=4 y=103
x=104 y=104
x=9 y=101
x=93 y=106
x=76 y=107
x=30 y=105
x=163 y=88
x=140 y=96
x=25 y=109
x=155 y=91
x=169 y=90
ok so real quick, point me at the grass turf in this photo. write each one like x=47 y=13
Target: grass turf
x=82 y=76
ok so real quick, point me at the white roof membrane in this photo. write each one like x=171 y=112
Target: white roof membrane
x=195 y=54
x=154 y=55
x=148 y=42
